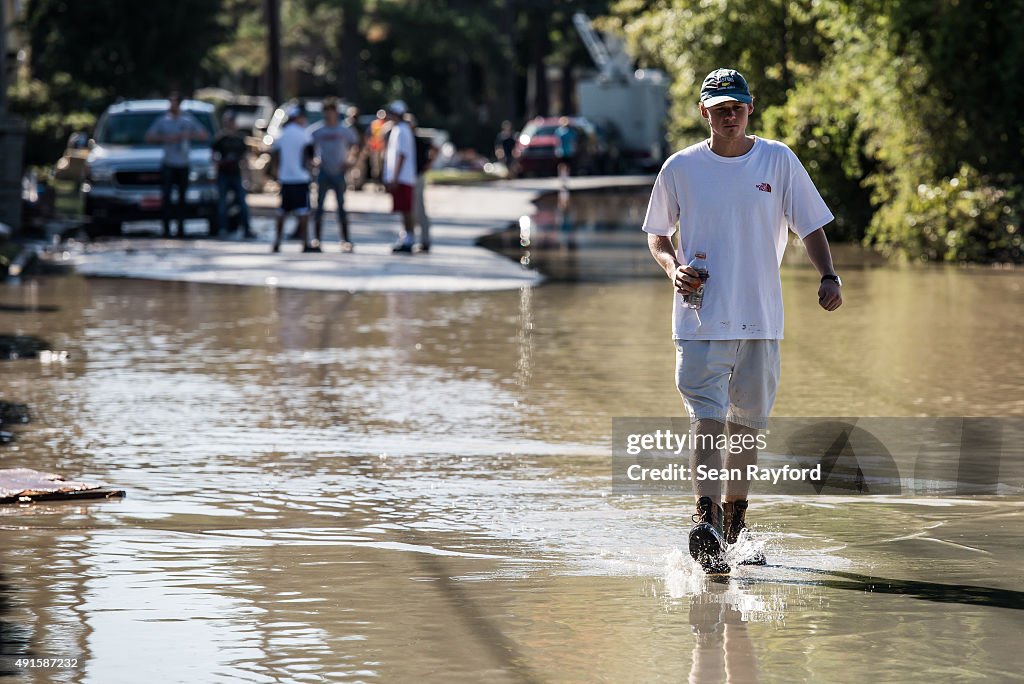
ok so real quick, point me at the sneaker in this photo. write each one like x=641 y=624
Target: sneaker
x=402 y=248
x=315 y=247
x=735 y=522
x=347 y=247
x=276 y=248
x=707 y=545
x=424 y=248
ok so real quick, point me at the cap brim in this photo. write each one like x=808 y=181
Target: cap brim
x=719 y=99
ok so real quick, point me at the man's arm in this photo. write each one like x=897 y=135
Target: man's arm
x=829 y=295
x=198 y=132
x=151 y=133
x=683 y=278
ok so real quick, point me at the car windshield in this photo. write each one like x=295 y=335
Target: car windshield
x=129 y=128
x=541 y=130
x=242 y=108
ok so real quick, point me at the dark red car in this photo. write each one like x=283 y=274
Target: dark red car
x=535 y=152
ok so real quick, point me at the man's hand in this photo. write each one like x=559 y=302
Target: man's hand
x=685 y=280
x=829 y=295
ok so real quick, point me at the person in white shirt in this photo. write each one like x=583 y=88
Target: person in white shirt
x=400 y=173
x=294 y=150
x=735 y=197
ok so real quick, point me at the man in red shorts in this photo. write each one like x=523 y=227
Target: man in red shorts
x=400 y=173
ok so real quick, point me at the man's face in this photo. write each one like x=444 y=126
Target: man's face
x=331 y=116
x=728 y=119
x=175 y=105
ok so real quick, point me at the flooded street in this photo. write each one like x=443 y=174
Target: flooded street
x=398 y=487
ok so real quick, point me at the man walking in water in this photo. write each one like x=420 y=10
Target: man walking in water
x=734 y=197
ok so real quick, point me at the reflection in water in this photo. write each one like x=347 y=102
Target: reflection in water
x=14 y=638
x=722 y=648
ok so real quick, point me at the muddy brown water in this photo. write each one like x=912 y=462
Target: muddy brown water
x=336 y=487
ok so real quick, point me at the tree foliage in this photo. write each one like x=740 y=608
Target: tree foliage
x=908 y=123
x=123 y=46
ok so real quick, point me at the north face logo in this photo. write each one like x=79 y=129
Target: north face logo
x=763 y=187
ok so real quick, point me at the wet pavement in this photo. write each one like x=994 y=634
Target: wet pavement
x=460 y=216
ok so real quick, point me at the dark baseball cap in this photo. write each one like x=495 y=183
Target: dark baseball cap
x=723 y=85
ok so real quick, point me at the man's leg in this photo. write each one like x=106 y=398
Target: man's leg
x=707 y=434
x=409 y=226
x=752 y=390
x=182 y=182
x=166 y=182
x=322 y=185
x=403 y=205
x=243 y=205
x=703 y=368
x=744 y=455
x=223 y=187
x=421 y=212
x=278 y=231
x=304 y=230
x=339 y=193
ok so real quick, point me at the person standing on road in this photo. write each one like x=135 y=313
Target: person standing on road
x=400 y=173
x=175 y=131
x=334 y=142
x=425 y=153
x=734 y=196
x=505 y=145
x=565 y=149
x=229 y=152
x=294 y=149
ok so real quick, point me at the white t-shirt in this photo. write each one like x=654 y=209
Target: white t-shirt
x=401 y=141
x=737 y=210
x=291 y=145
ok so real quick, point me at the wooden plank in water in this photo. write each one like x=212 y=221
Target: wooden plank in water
x=22 y=485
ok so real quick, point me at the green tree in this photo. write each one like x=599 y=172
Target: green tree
x=123 y=47
x=911 y=132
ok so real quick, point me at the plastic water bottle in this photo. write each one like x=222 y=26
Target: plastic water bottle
x=700 y=265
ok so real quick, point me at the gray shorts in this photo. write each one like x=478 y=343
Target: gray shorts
x=728 y=380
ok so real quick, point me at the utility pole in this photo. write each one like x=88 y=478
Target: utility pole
x=12 y=142
x=272 y=9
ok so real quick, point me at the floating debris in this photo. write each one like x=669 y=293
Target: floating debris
x=24 y=485
x=21 y=346
x=13 y=413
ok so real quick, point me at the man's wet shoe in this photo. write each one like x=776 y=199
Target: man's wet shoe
x=707 y=544
x=735 y=522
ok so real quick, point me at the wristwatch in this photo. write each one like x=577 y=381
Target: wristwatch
x=832 y=276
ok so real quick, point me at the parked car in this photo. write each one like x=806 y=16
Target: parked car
x=122 y=170
x=535 y=155
x=252 y=113
x=71 y=165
